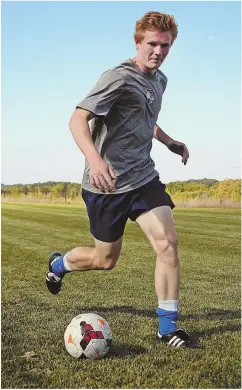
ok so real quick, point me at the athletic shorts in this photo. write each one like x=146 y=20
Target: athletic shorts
x=108 y=214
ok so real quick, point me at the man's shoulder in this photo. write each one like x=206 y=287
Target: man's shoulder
x=112 y=74
x=123 y=69
x=162 y=76
x=126 y=64
x=119 y=70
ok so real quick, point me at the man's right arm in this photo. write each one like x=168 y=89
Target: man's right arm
x=81 y=133
x=101 y=174
x=97 y=103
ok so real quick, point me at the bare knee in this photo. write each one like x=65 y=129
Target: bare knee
x=166 y=249
x=106 y=254
x=105 y=262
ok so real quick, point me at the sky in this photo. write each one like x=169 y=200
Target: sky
x=53 y=53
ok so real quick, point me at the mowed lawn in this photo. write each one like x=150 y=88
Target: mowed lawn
x=33 y=321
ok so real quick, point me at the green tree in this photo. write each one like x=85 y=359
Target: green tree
x=74 y=190
x=59 y=189
x=44 y=190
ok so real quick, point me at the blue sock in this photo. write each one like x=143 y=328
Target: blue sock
x=167 y=321
x=58 y=266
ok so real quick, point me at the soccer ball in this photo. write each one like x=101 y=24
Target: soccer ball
x=88 y=335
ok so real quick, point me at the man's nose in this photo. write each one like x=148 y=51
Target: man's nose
x=158 y=50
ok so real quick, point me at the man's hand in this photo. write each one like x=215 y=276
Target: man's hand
x=102 y=176
x=173 y=146
x=179 y=148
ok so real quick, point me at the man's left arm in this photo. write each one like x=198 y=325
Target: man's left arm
x=174 y=146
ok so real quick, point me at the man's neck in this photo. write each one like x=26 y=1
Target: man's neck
x=143 y=68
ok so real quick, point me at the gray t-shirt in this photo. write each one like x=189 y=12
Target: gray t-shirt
x=126 y=103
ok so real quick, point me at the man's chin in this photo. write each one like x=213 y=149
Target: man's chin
x=155 y=64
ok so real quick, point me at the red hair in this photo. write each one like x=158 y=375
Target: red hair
x=155 y=20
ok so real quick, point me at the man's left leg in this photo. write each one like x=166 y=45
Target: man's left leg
x=158 y=226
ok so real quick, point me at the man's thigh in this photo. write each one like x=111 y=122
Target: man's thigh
x=158 y=226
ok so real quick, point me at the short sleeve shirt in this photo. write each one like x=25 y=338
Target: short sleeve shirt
x=126 y=103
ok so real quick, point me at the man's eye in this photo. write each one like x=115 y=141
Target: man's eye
x=153 y=44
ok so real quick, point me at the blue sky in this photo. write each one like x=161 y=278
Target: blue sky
x=54 y=52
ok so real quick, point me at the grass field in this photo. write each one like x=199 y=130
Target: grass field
x=34 y=321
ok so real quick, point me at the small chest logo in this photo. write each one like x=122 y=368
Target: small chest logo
x=150 y=95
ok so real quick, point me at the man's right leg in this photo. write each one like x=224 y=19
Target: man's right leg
x=103 y=256
x=107 y=217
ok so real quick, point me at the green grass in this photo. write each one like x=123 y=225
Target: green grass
x=33 y=320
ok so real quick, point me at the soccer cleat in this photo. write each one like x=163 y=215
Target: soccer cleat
x=53 y=282
x=179 y=339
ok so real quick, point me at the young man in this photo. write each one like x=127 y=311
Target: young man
x=120 y=180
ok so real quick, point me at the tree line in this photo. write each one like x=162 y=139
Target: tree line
x=203 y=189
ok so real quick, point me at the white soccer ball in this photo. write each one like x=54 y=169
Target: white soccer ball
x=88 y=335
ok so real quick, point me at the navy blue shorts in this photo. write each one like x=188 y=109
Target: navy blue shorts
x=108 y=214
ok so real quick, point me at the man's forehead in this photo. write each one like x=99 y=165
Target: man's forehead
x=156 y=35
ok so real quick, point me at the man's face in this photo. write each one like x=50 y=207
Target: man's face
x=153 y=49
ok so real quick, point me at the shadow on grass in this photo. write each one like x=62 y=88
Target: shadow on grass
x=125 y=351
x=211 y=314
x=217 y=330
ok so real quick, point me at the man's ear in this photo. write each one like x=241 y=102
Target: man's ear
x=137 y=45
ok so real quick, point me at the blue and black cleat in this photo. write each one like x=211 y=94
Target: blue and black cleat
x=53 y=282
x=179 y=339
